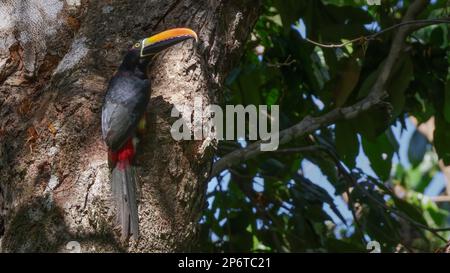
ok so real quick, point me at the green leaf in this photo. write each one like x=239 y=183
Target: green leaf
x=371 y=124
x=346 y=80
x=380 y=153
x=381 y=228
x=367 y=84
x=441 y=139
x=325 y=164
x=238 y=221
x=411 y=211
x=347 y=143
x=447 y=101
x=418 y=180
x=437 y=36
x=398 y=84
x=249 y=81
x=437 y=214
x=290 y=12
x=272 y=96
x=340 y=246
x=241 y=242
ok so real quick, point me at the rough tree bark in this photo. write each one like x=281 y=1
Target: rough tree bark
x=56 y=57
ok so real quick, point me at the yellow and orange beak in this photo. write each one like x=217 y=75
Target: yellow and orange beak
x=156 y=43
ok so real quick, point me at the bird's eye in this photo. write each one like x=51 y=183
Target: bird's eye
x=137 y=45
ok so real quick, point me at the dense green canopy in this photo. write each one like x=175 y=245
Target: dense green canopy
x=311 y=57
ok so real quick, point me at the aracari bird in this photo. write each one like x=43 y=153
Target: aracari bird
x=123 y=114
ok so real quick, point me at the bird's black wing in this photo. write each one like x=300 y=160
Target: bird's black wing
x=125 y=103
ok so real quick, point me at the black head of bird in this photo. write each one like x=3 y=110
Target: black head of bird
x=145 y=49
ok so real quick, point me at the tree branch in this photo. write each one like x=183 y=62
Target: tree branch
x=415 y=25
x=310 y=124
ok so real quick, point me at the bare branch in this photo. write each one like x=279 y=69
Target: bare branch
x=415 y=24
x=440 y=199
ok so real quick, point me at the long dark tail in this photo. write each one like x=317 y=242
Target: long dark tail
x=123 y=184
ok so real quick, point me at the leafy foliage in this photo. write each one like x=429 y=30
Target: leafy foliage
x=272 y=202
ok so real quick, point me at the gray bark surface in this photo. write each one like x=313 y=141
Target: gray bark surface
x=56 y=58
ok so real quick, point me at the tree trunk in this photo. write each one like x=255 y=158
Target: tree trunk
x=56 y=58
